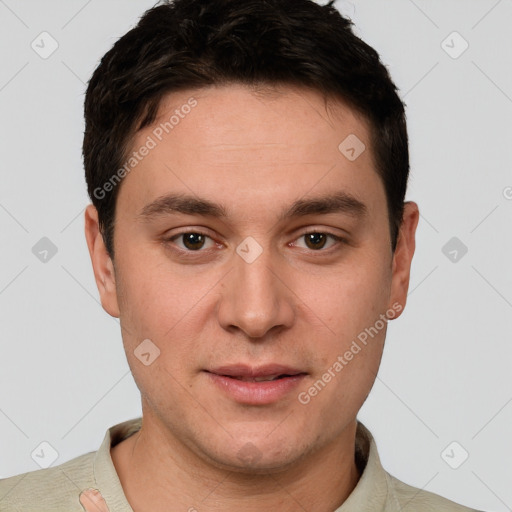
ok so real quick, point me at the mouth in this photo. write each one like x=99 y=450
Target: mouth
x=262 y=378
x=260 y=373
x=256 y=385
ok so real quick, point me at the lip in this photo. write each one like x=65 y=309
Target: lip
x=252 y=392
x=246 y=371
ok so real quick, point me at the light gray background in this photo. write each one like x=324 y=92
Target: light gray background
x=445 y=374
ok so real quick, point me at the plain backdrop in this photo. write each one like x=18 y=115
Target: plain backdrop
x=446 y=372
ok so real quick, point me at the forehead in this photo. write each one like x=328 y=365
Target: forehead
x=274 y=120
x=253 y=144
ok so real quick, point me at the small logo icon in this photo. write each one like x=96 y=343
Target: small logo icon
x=454 y=455
x=44 y=45
x=249 y=249
x=352 y=147
x=44 y=455
x=146 y=352
x=454 y=45
x=507 y=193
x=44 y=250
x=249 y=453
x=454 y=249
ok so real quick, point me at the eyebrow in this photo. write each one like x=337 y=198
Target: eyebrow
x=340 y=202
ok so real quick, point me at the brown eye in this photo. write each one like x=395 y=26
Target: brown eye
x=315 y=240
x=188 y=242
x=193 y=241
x=318 y=240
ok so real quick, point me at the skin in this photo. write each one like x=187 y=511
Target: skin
x=255 y=153
x=92 y=501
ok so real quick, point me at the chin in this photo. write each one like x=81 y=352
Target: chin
x=251 y=457
x=262 y=466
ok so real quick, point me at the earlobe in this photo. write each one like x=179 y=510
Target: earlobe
x=101 y=262
x=402 y=257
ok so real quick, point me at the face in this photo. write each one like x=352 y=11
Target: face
x=272 y=257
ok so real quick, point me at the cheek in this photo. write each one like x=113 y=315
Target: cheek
x=349 y=354
x=150 y=296
x=350 y=299
x=350 y=357
x=165 y=306
x=158 y=308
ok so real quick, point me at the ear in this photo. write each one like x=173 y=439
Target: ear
x=402 y=257
x=101 y=262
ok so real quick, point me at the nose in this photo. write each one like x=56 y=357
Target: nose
x=255 y=298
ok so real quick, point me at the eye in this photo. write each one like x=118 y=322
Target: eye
x=191 y=240
x=194 y=241
x=316 y=240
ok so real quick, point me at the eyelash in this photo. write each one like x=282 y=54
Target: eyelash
x=338 y=239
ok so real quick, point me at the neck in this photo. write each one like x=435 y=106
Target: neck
x=156 y=469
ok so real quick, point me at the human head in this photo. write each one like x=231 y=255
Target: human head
x=192 y=43
x=258 y=161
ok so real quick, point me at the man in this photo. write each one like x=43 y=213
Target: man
x=247 y=162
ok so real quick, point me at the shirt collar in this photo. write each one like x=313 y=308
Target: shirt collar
x=104 y=470
x=372 y=492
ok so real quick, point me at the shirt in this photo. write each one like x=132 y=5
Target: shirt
x=57 y=489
